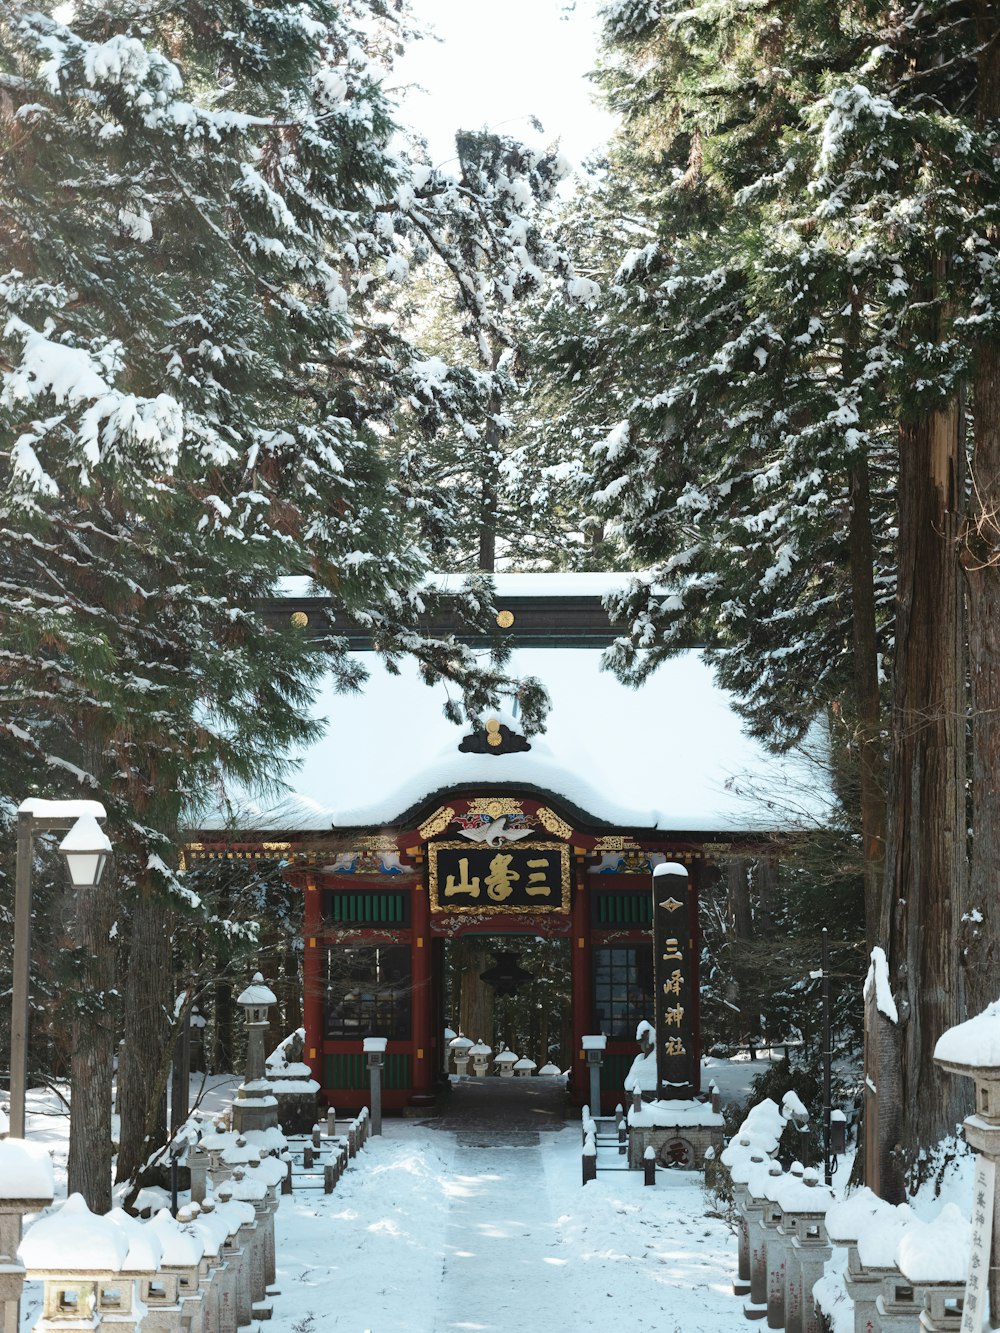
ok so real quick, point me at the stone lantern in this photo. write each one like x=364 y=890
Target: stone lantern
x=461 y=1047
x=255 y=1106
x=505 y=1062
x=524 y=1068
x=972 y=1049
x=480 y=1054
x=26 y=1186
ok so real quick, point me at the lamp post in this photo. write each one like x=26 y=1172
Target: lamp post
x=594 y=1047
x=86 y=849
x=374 y=1049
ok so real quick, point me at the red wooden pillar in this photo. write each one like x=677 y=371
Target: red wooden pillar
x=422 y=1015
x=580 y=966
x=313 y=981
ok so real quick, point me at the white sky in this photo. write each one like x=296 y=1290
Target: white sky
x=499 y=64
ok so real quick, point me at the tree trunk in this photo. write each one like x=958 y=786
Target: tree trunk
x=767 y=892
x=92 y=1062
x=476 y=998
x=141 y=1079
x=981 y=558
x=867 y=704
x=925 y=855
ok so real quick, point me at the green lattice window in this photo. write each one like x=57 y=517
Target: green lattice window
x=622 y=909
x=357 y=907
x=351 y=1071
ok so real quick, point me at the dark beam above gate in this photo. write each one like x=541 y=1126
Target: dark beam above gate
x=538 y=622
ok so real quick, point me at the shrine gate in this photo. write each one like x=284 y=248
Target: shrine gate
x=402 y=832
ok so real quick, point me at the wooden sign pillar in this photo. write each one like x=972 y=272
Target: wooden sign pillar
x=674 y=983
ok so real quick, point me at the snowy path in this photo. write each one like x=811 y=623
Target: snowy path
x=502 y=1241
x=428 y=1234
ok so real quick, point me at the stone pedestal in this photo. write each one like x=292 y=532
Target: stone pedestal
x=864 y=1286
x=757 y=1182
x=739 y=1173
x=807 y=1258
x=679 y=1132
x=774 y=1249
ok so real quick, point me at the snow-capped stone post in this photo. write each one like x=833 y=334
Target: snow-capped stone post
x=255 y=1106
x=593 y=1048
x=460 y=1047
x=374 y=1048
x=26 y=1186
x=649 y=1166
x=972 y=1049
x=676 y=996
x=449 y=1036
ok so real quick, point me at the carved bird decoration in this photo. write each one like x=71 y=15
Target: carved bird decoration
x=495 y=832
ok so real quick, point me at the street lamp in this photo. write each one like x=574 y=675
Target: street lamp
x=89 y=853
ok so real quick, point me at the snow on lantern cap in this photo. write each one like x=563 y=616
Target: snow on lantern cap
x=25 y=1172
x=670 y=868
x=461 y=1043
x=257 y=996
x=972 y=1048
x=74 y=1240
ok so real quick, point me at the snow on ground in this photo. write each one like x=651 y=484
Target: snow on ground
x=429 y=1234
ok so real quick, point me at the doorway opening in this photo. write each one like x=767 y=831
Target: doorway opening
x=514 y=992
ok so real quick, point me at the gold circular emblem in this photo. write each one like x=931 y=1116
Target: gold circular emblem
x=494 y=739
x=505 y=619
x=492 y=725
x=496 y=808
x=299 y=618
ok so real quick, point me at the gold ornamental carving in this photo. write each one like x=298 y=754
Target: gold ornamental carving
x=495 y=806
x=437 y=823
x=505 y=619
x=551 y=822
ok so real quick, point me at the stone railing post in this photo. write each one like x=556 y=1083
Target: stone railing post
x=803 y=1207
x=739 y=1173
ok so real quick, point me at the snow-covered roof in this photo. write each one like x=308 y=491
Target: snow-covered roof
x=506 y=585
x=671 y=755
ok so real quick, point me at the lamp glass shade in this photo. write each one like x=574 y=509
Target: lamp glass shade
x=86 y=848
x=86 y=868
